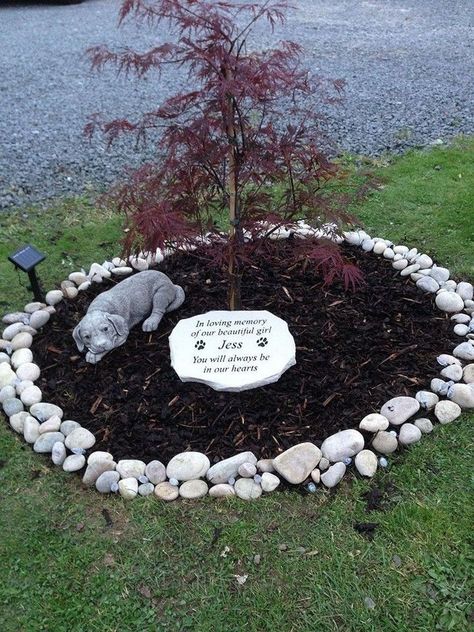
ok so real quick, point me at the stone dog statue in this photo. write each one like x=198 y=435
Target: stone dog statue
x=113 y=313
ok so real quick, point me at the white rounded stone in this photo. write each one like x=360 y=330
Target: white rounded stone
x=355 y=238
x=118 y=262
x=424 y=261
x=12 y=330
x=12 y=406
x=449 y=302
x=398 y=409
x=446 y=411
x=45 y=410
x=424 y=425
x=166 y=491
x=368 y=245
x=16 y=317
x=469 y=307
x=342 y=445
x=17 y=421
x=80 y=438
x=30 y=308
x=128 y=488
x=7 y=375
x=465 y=351
x=7 y=392
x=465 y=290
x=22 y=340
x=461 y=318
x=5 y=345
x=445 y=359
x=31 y=395
x=449 y=286
x=70 y=292
x=39 y=319
x=95 y=469
x=4 y=358
x=296 y=463
x=84 y=286
x=323 y=464
x=265 y=465
x=58 y=453
x=104 y=482
x=222 y=471
x=247 y=489
x=20 y=357
x=22 y=386
x=131 y=468
x=247 y=470
x=463 y=395
x=222 y=490
x=385 y=442
x=415 y=276
x=400 y=264
x=77 y=277
x=316 y=476
x=138 y=263
x=439 y=274
x=68 y=426
x=414 y=267
x=439 y=386
x=409 y=433
x=269 y=482
x=31 y=429
x=379 y=248
x=401 y=250
x=28 y=371
x=333 y=475
x=98 y=456
x=96 y=270
x=452 y=372
x=155 y=471
x=53 y=297
x=461 y=330
x=366 y=463
x=146 y=489
x=74 y=463
x=53 y=424
x=187 y=466
x=427 y=284
x=388 y=254
x=468 y=374
x=192 y=489
x=122 y=271
x=374 y=422
x=44 y=443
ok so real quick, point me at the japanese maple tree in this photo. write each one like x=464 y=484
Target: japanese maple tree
x=241 y=142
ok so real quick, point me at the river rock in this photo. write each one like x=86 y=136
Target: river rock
x=461 y=330
x=58 y=453
x=105 y=480
x=4 y=357
x=222 y=471
x=399 y=409
x=99 y=455
x=53 y=424
x=44 y=443
x=414 y=267
x=30 y=308
x=265 y=465
x=74 y=463
x=53 y=297
x=440 y=387
x=78 y=277
x=39 y=319
x=424 y=425
x=31 y=429
x=247 y=470
x=439 y=274
x=427 y=284
x=424 y=261
x=80 y=438
x=296 y=463
x=379 y=248
x=12 y=406
x=17 y=421
x=166 y=491
x=452 y=372
x=68 y=426
x=445 y=359
x=222 y=490
x=31 y=395
x=122 y=271
x=468 y=374
x=465 y=290
x=388 y=253
x=401 y=250
x=465 y=351
x=373 y=423
x=427 y=399
x=131 y=468
x=247 y=489
x=469 y=307
x=333 y=475
x=128 y=488
x=193 y=489
x=28 y=371
x=462 y=319
x=7 y=392
x=269 y=482
x=95 y=469
x=23 y=340
x=409 y=433
x=400 y=264
x=22 y=386
x=16 y=317
x=44 y=411
x=7 y=375
x=323 y=464
x=138 y=263
x=366 y=463
x=462 y=394
x=12 y=330
x=96 y=270
x=20 y=357
x=187 y=466
x=342 y=445
x=385 y=442
x=355 y=238
x=146 y=489
x=449 y=302
x=446 y=411
x=368 y=245
x=155 y=471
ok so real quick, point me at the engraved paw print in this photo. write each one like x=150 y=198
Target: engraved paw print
x=200 y=344
x=262 y=342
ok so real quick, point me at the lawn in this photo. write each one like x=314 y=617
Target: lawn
x=72 y=560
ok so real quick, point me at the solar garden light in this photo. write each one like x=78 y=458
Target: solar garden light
x=26 y=258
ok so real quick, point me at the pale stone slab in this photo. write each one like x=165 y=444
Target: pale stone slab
x=232 y=351
x=399 y=409
x=187 y=466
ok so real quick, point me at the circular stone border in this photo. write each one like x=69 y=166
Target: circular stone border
x=190 y=474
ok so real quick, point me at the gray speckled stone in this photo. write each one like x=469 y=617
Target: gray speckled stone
x=74 y=463
x=424 y=425
x=409 y=433
x=166 y=491
x=44 y=443
x=222 y=490
x=366 y=463
x=193 y=489
x=31 y=429
x=12 y=406
x=17 y=421
x=247 y=489
x=155 y=471
x=269 y=482
x=384 y=442
x=131 y=468
x=58 y=453
x=105 y=480
x=446 y=412
x=146 y=489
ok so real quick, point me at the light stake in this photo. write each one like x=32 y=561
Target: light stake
x=26 y=258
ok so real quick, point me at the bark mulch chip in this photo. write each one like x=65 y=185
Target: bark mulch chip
x=354 y=351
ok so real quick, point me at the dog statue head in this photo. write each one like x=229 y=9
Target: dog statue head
x=100 y=332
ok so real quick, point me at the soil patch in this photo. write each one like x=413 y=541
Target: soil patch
x=354 y=351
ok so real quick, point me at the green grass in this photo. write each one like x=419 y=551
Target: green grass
x=175 y=567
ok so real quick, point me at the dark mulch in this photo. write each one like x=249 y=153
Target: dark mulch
x=354 y=351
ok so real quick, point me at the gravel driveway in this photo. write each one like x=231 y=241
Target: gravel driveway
x=407 y=63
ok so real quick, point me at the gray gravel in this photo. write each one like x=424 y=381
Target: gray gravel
x=408 y=66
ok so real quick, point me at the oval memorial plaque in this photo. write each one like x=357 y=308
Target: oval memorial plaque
x=232 y=351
